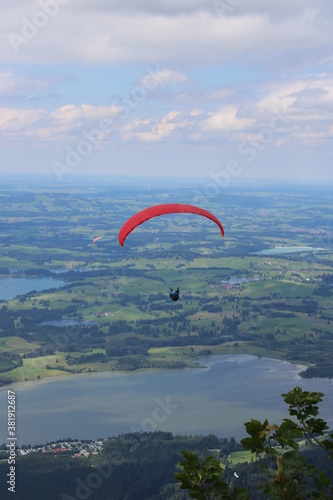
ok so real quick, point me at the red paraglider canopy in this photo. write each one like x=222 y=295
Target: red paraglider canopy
x=157 y=210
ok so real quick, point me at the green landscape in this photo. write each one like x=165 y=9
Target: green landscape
x=113 y=311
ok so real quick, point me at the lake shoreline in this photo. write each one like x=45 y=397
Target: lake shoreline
x=215 y=397
x=194 y=363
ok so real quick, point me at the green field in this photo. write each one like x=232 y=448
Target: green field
x=241 y=457
x=232 y=300
x=16 y=345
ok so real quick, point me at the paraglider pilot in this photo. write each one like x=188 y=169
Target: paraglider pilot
x=174 y=295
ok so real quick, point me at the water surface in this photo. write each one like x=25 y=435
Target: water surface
x=239 y=281
x=217 y=399
x=11 y=287
x=285 y=250
x=68 y=322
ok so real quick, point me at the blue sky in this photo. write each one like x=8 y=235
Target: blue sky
x=196 y=88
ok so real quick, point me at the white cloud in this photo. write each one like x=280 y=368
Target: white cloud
x=293 y=109
x=77 y=115
x=219 y=77
x=226 y=120
x=271 y=8
x=160 y=7
x=306 y=104
x=12 y=84
x=63 y=124
x=154 y=131
x=137 y=32
x=166 y=76
x=17 y=120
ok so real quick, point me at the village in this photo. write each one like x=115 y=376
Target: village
x=71 y=447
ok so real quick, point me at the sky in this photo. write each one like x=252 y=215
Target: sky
x=218 y=89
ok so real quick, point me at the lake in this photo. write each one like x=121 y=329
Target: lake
x=11 y=287
x=286 y=250
x=68 y=322
x=239 y=281
x=218 y=398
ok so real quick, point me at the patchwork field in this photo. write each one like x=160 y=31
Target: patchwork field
x=113 y=311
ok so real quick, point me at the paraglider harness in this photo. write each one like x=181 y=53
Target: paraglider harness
x=174 y=295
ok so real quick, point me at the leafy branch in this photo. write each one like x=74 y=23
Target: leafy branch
x=286 y=474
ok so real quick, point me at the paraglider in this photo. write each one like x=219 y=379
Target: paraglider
x=102 y=241
x=174 y=295
x=164 y=209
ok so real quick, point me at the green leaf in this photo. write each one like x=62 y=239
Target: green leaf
x=286 y=434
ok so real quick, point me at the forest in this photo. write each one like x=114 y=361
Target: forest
x=110 y=309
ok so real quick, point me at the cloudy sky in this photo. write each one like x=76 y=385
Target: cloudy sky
x=216 y=88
